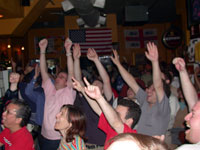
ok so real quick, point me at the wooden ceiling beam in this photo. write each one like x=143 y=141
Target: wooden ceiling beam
x=29 y=19
x=11 y=9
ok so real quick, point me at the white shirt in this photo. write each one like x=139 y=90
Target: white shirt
x=174 y=107
x=189 y=147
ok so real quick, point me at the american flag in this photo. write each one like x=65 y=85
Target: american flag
x=99 y=39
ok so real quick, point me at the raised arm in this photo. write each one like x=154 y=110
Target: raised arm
x=128 y=78
x=196 y=78
x=187 y=87
x=152 y=55
x=92 y=55
x=29 y=90
x=110 y=114
x=13 y=65
x=93 y=104
x=77 y=69
x=67 y=45
x=44 y=73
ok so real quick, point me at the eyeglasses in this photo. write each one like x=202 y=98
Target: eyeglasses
x=10 y=112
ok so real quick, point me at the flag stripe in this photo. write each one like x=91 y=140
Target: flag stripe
x=97 y=44
x=99 y=32
x=95 y=47
x=99 y=39
x=97 y=36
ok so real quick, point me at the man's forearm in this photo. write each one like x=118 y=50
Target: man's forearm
x=128 y=78
x=70 y=67
x=188 y=89
x=106 y=79
x=77 y=71
x=111 y=115
x=43 y=67
x=157 y=80
x=102 y=71
x=93 y=104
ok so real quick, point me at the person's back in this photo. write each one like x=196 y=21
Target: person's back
x=93 y=134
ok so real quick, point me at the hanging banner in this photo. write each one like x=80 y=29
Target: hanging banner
x=138 y=38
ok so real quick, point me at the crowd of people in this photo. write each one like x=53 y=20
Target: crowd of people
x=114 y=109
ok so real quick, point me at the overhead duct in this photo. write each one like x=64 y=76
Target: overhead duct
x=86 y=11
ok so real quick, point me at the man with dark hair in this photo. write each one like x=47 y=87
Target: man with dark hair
x=15 y=135
x=193 y=117
x=133 y=111
x=153 y=101
x=56 y=95
x=112 y=121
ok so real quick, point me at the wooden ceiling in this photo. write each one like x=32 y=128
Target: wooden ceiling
x=17 y=19
x=11 y=9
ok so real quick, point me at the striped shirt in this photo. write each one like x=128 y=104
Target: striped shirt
x=76 y=144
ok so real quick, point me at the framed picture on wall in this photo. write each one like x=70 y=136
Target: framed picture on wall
x=55 y=44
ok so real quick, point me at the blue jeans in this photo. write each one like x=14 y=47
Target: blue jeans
x=46 y=144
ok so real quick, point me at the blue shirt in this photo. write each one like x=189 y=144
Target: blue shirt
x=37 y=96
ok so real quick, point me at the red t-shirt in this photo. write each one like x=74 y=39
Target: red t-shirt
x=109 y=131
x=19 y=140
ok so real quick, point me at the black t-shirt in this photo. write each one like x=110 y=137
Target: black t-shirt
x=93 y=134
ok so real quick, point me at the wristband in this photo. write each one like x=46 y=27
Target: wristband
x=68 y=54
x=42 y=52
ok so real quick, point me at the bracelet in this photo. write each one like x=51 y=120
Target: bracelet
x=68 y=54
x=42 y=52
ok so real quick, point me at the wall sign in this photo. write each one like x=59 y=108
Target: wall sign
x=172 y=38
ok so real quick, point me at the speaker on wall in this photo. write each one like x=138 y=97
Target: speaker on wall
x=25 y=2
x=137 y=13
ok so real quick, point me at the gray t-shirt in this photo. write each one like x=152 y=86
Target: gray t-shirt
x=154 y=120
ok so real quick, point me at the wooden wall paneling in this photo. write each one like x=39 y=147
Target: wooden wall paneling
x=111 y=22
x=70 y=23
x=44 y=32
x=131 y=52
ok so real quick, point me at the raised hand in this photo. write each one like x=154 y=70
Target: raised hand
x=77 y=85
x=67 y=45
x=92 y=55
x=115 y=59
x=152 y=52
x=43 y=44
x=76 y=51
x=179 y=64
x=14 y=77
x=92 y=91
